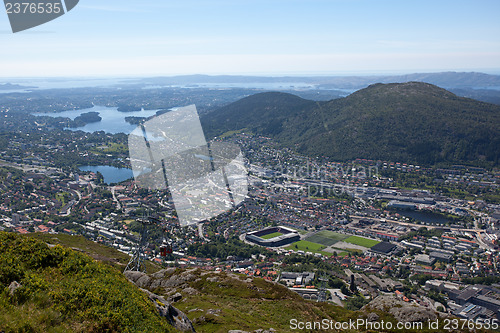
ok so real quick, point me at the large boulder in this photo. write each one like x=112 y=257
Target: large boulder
x=175 y=317
x=14 y=285
x=402 y=311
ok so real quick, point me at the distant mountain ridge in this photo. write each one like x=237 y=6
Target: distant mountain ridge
x=442 y=79
x=412 y=122
x=480 y=86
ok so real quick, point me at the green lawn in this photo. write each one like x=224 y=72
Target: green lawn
x=326 y=237
x=361 y=241
x=307 y=246
x=113 y=148
x=269 y=236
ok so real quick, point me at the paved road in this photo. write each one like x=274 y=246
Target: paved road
x=27 y=168
x=118 y=204
x=335 y=298
x=200 y=232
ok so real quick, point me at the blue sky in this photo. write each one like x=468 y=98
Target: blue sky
x=272 y=37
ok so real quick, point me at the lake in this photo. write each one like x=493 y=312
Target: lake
x=110 y=174
x=113 y=121
x=427 y=217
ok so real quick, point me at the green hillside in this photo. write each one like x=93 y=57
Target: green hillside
x=407 y=122
x=63 y=290
x=262 y=113
x=102 y=253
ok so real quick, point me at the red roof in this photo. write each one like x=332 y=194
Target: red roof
x=43 y=228
x=448 y=237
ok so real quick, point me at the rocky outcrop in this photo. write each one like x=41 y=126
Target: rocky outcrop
x=174 y=298
x=175 y=317
x=13 y=287
x=163 y=279
x=402 y=311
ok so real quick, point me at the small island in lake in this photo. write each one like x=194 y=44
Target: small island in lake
x=86 y=118
x=135 y=120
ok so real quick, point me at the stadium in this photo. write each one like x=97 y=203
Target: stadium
x=273 y=236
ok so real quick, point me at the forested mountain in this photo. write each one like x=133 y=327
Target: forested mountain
x=408 y=122
x=262 y=113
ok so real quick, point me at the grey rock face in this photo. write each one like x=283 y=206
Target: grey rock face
x=174 y=298
x=402 y=311
x=175 y=317
x=14 y=285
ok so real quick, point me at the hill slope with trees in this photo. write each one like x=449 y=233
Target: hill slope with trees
x=47 y=289
x=410 y=122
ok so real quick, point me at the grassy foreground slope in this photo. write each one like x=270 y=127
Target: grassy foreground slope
x=223 y=301
x=95 y=250
x=63 y=290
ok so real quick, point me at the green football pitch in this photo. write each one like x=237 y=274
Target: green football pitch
x=272 y=235
x=326 y=237
x=361 y=241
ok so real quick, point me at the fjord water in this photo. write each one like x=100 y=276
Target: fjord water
x=113 y=121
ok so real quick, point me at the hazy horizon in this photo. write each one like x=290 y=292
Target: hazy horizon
x=250 y=75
